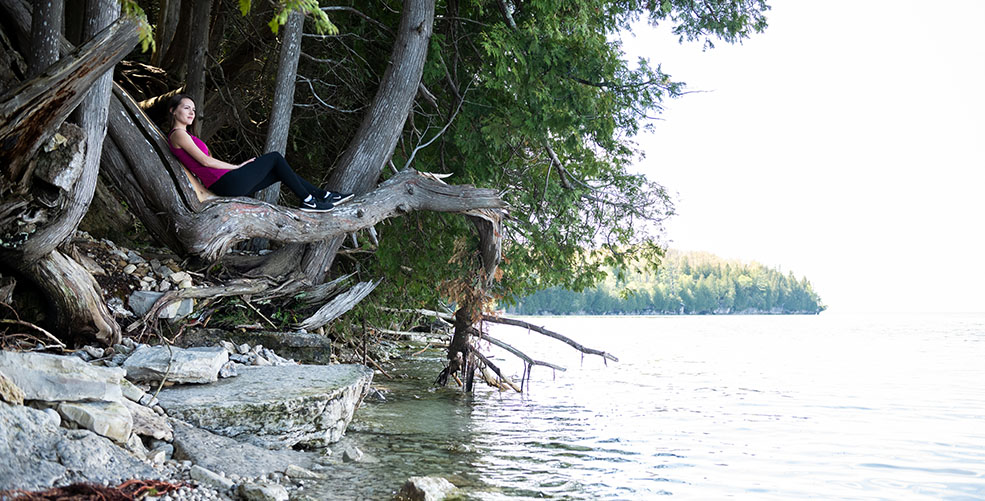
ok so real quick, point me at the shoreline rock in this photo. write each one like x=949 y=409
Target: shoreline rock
x=247 y=460
x=55 y=378
x=275 y=406
x=37 y=452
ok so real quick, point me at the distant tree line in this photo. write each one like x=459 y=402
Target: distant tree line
x=685 y=283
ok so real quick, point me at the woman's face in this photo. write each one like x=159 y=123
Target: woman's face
x=184 y=113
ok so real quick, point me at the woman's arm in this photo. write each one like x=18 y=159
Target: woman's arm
x=181 y=139
x=201 y=191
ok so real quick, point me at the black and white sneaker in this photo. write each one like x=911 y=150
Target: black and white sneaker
x=336 y=198
x=316 y=206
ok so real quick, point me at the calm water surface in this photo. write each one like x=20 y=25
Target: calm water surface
x=749 y=407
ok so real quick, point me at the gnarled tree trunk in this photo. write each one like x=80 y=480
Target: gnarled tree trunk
x=156 y=186
x=137 y=157
x=31 y=114
x=280 y=113
x=360 y=167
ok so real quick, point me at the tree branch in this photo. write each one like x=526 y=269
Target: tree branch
x=33 y=111
x=517 y=353
x=549 y=333
x=339 y=305
x=499 y=373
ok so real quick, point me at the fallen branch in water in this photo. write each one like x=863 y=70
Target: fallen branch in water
x=516 y=323
x=549 y=333
x=517 y=353
x=499 y=373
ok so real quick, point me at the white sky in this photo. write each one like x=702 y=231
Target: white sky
x=845 y=144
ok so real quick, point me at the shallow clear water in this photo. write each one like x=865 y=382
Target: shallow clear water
x=750 y=407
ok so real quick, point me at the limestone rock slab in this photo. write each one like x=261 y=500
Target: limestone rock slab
x=187 y=365
x=247 y=460
x=36 y=454
x=275 y=407
x=148 y=423
x=27 y=440
x=9 y=392
x=109 y=419
x=55 y=378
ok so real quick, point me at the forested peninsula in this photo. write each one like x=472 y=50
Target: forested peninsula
x=685 y=283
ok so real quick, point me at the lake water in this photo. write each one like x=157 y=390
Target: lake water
x=712 y=407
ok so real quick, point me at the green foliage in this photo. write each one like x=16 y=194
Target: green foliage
x=311 y=8
x=144 y=30
x=557 y=86
x=560 y=84
x=684 y=283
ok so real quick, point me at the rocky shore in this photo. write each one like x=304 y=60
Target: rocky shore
x=242 y=413
x=224 y=429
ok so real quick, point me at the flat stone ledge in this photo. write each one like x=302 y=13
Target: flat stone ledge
x=275 y=407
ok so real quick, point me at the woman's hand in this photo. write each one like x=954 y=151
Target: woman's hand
x=246 y=162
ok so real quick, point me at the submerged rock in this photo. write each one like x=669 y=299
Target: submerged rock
x=425 y=489
x=55 y=378
x=352 y=454
x=275 y=407
x=187 y=365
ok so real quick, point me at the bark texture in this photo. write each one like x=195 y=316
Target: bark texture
x=91 y=116
x=360 y=166
x=377 y=136
x=198 y=46
x=46 y=31
x=167 y=24
x=32 y=112
x=280 y=113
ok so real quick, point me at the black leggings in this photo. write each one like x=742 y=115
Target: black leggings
x=261 y=173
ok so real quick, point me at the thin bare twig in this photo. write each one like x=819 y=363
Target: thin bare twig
x=254 y=308
x=519 y=354
x=35 y=327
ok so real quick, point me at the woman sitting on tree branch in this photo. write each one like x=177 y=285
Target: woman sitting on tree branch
x=253 y=175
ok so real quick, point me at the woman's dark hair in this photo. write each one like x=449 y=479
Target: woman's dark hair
x=175 y=100
x=173 y=103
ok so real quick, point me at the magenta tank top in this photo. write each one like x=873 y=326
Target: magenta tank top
x=207 y=175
